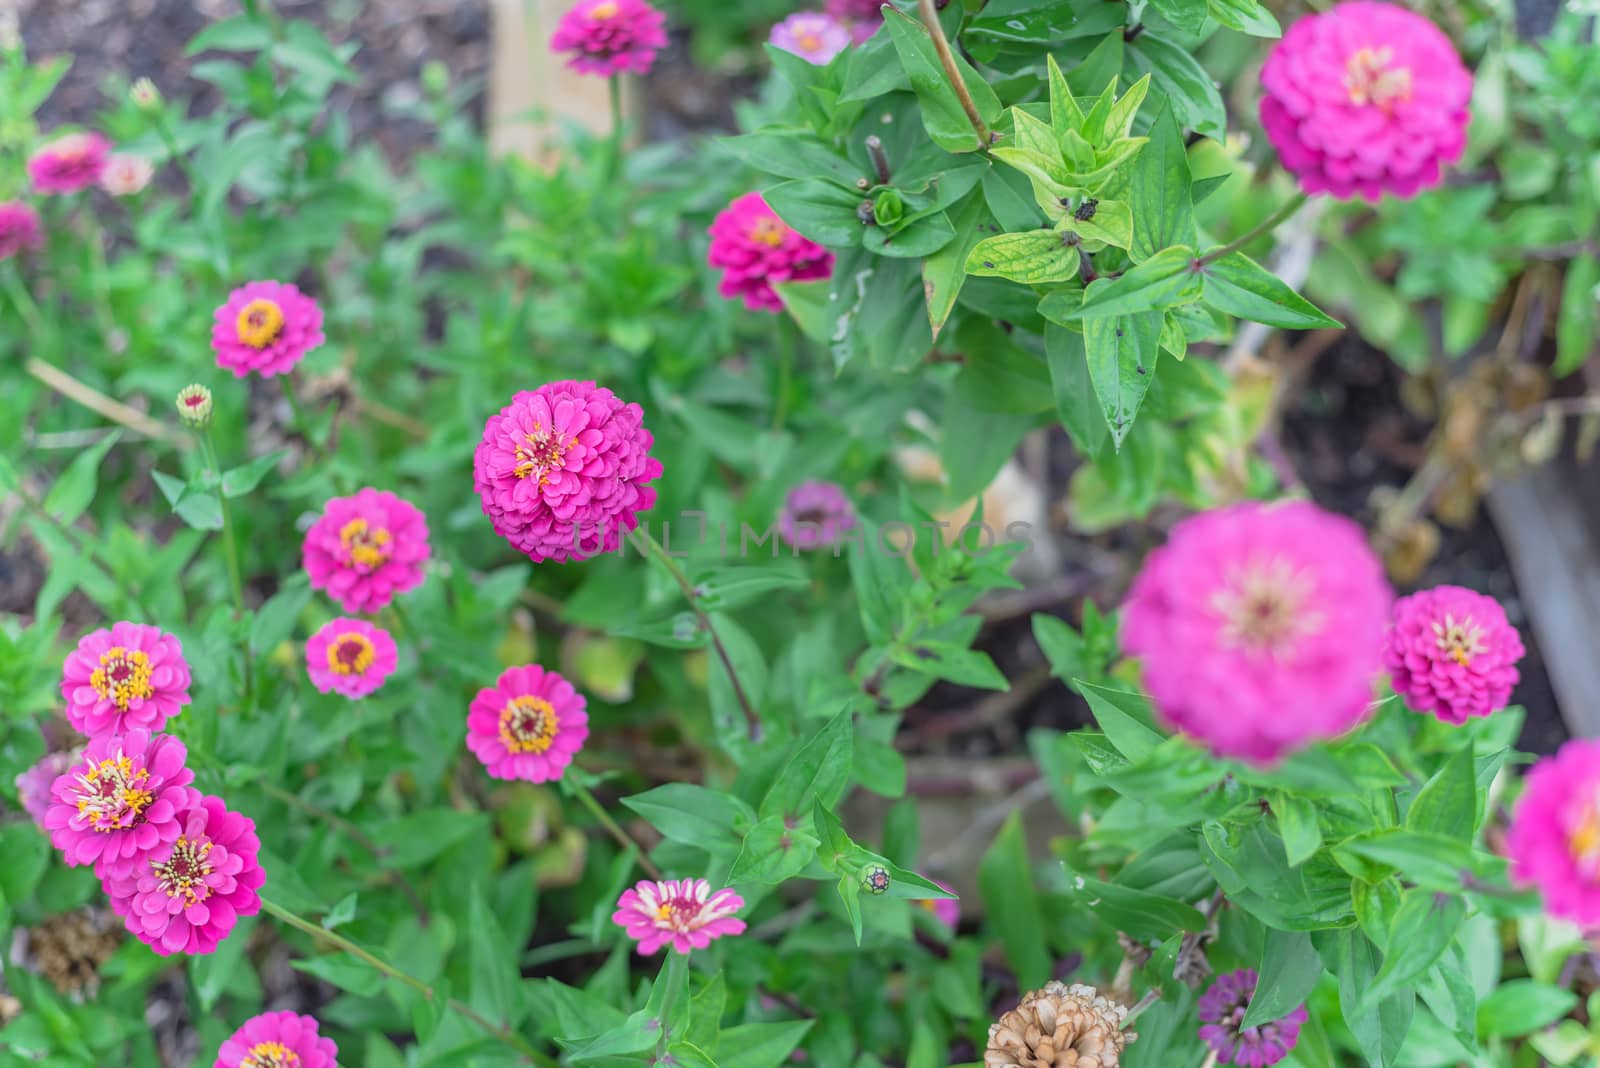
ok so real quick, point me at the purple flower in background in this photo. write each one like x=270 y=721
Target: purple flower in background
x=1222 y=1010
x=816 y=514
x=33 y=785
x=814 y=37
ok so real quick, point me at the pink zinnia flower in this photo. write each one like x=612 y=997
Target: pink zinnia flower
x=683 y=913
x=862 y=16
x=947 y=910
x=19 y=229
x=188 y=893
x=350 y=656
x=1365 y=99
x=33 y=785
x=126 y=175
x=1452 y=652
x=130 y=676
x=69 y=164
x=1260 y=627
x=1222 y=1010
x=611 y=36
x=816 y=514
x=266 y=328
x=564 y=470
x=120 y=801
x=366 y=548
x=1554 y=838
x=277 y=1040
x=814 y=37
x=529 y=726
x=755 y=248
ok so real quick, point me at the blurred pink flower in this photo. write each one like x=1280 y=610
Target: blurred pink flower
x=19 y=229
x=366 y=548
x=1222 y=1009
x=33 y=785
x=754 y=248
x=189 y=893
x=120 y=801
x=814 y=37
x=126 y=175
x=350 y=656
x=683 y=913
x=862 y=16
x=564 y=470
x=611 y=36
x=947 y=910
x=277 y=1040
x=529 y=726
x=1366 y=98
x=1452 y=652
x=265 y=328
x=1260 y=628
x=815 y=515
x=131 y=675
x=1554 y=838
x=69 y=164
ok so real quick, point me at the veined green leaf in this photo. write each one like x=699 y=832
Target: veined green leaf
x=1037 y=257
x=1240 y=286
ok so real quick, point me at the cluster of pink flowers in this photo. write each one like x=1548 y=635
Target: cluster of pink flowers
x=610 y=37
x=1364 y=99
x=754 y=248
x=265 y=328
x=278 y=1040
x=178 y=867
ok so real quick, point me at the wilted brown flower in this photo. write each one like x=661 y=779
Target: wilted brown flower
x=69 y=948
x=1059 y=1026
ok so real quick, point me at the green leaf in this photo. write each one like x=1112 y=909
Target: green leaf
x=1379 y=1032
x=1125 y=717
x=791 y=154
x=275 y=620
x=946 y=270
x=760 y=1045
x=342 y=912
x=198 y=508
x=1062 y=645
x=1122 y=354
x=955 y=663
x=1159 y=191
x=1240 y=286
x=1576 y=323
x=694 y=815
x=1165 y=279
x=1297 y=822
x=1140 y=913
x=1196 y=101
x=418 y=837
x=1428 y=859
x=1189 y=16
x=1246 y=16
x=209 y=975
x=344 y=972
x=1076 y=404
x=1038 y=257
x=724 y=588
x=1521 y=1007
x=494 y=981
x=777 y=848
x=246 y=477
x=819 y=771
x=1290 y=970
x=818 y=209
x=942 y=113
x=1447 y=804
x=71 y=494
x=1012 y=903
x=238 y=34
x=1423 y=928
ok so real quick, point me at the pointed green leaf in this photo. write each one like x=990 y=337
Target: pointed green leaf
x=1122 y=354
x=1037 y=257
x=1165 y=279
x=1240 y=286
x=71 y=494
x=1448 y=803
x=1159 y=191
x=942 y=114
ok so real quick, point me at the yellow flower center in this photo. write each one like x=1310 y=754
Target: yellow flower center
x=541 y=452
x=604 y=10
x=528 y=724
x=1263 y=606
x=810 y=42
x=366 y=545
x=112 y=796
x=768 y=231
x=270 y=1055
x=183 y=874
x=1369 y=79
x=1461 y=640
x=350 y=654
x=260 y=322
x=1584 y=841
x=122 y=676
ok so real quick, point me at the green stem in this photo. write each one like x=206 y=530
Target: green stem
x=952 y=73
x=780 y=410
x=231 y=548
x=617 y=129
x=648 y=545
x=1267 y=225
x=623 y=838
x=501 y=1032
x=95 y=239
x=302 y=425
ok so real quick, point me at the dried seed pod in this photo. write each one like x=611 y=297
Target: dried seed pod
x=1059 y=1026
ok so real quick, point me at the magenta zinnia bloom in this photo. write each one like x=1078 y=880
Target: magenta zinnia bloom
x=683 y=913
x=129 y=676
x=188 y=894
x=1554 y=838
x=755 y=248
x=529 y=726
x=265 y=328
x=1260 y=627
x=814 y=37
x=69 y=164
x=1452 y=652
x=816 y=514
x=366 y=548
x=19 y=229
x=120 y=801
x=611 y=36
x=277 y=1040
x=350 y=656
x=33 y=785
x=862 y=16
x=1365 y=99
x=564 y=470
x=1222 y=1009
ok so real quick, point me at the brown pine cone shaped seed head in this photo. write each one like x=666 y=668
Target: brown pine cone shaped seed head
x=1059 y=1026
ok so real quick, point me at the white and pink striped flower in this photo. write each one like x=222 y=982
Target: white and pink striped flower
x=683 y=913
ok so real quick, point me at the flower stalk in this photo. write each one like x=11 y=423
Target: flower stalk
x=587 y=799
x=947 y=58
x=1265 y=226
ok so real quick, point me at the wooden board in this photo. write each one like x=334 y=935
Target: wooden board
x=532 y=94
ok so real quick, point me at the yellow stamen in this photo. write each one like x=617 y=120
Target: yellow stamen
x=1369 y=79
x=1460 y=640
x=350 y=654
x=122 y=676
x=528 y=725
x=270 y=1055
x=768 y=231
x=540 y=453
x=605 y=10
x=260 y=322
x=367 y=546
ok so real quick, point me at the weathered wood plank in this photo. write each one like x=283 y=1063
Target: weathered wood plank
x=531 y=91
